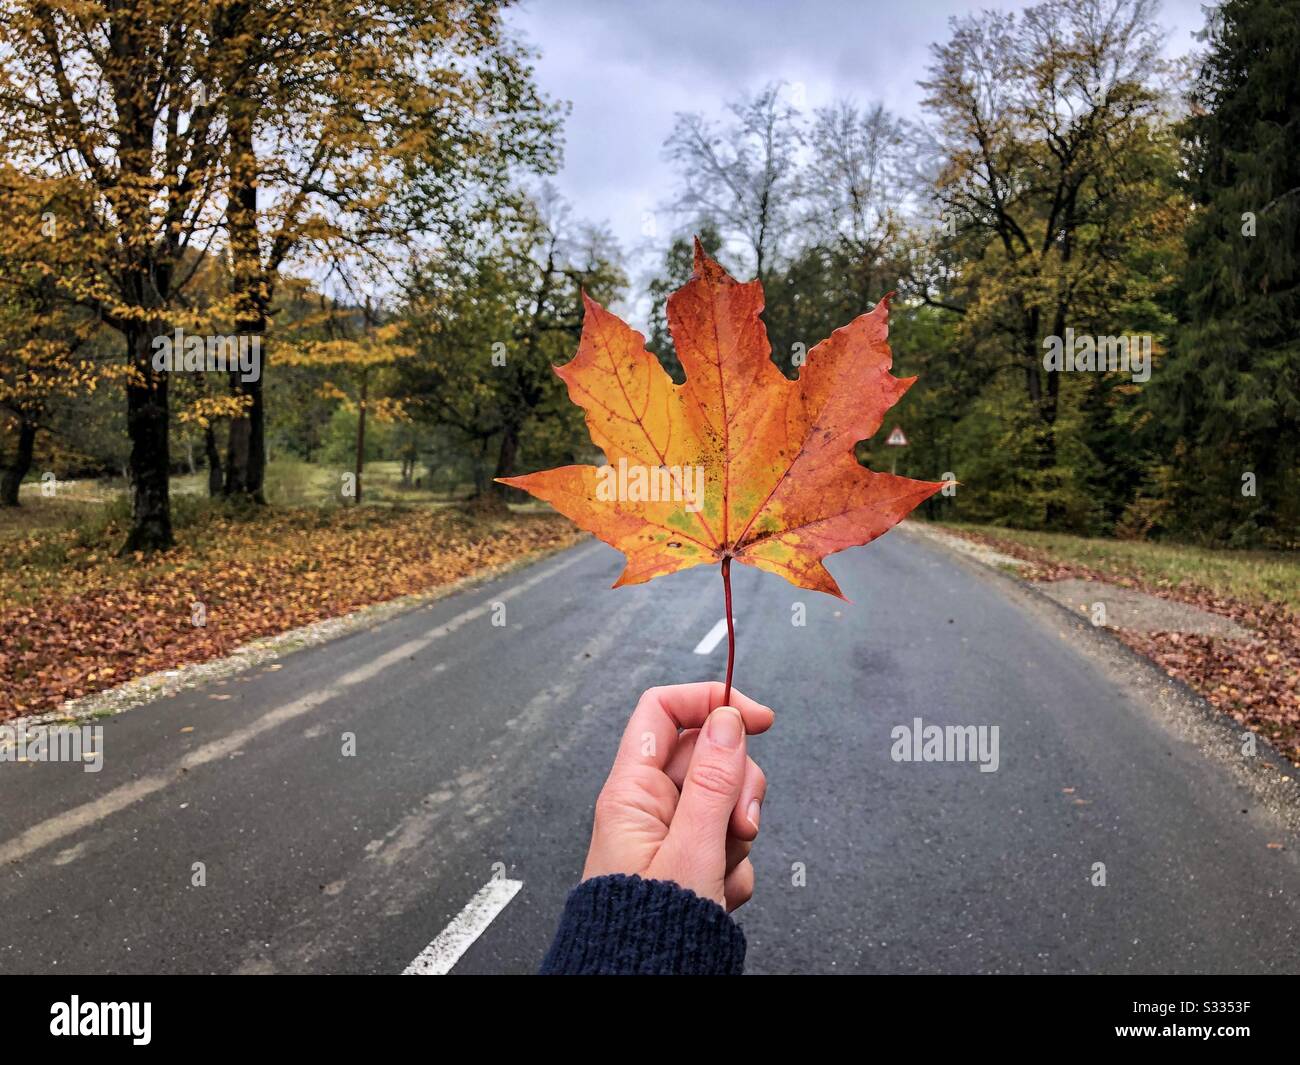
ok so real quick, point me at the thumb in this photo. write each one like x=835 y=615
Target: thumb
x=695 y=849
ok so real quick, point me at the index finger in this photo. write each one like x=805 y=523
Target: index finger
x=651 y=734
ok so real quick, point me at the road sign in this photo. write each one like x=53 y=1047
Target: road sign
x=896 y=438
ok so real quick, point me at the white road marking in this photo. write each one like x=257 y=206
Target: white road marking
x=712 y=638
x=439 y=956
x=53 y=829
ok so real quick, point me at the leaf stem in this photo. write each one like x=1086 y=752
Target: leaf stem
x=731 y=629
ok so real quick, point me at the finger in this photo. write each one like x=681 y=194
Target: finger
x=691 y=704
x=737 y=851
x=697 y=838
x=651 y=734
x=745 y=817
x=681 y=757
x=739 y=886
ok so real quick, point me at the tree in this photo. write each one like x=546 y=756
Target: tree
x=354 y=343
x=856 y=196
x=41 y=363
x=560 y=263
x=679 y=263
x=1054 y=175
x=462 y=312
x=44 y=358
x=491 y=324
x=203 y=401
x=1231 y=390
x=97 y=97
x=853 y=228
x=434 y=107
x=743 y=176
x=286 y=129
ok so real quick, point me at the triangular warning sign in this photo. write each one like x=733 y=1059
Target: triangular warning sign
x=896 y=438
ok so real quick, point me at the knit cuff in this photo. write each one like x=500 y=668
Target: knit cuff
x=623 y=925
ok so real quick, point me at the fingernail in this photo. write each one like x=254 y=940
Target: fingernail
x=754 y=811
x=725 y=727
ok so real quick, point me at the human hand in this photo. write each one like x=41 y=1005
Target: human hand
x=684 y=805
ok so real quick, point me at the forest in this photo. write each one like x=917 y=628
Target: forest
x=1092 y=250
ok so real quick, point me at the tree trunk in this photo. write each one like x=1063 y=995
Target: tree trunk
x=150 y=461
x=214 y=460
x=246 y=452
x=479 y=463
x=22 y=463
x=245 y=473
x=361 y=438
x=237 y=441
x=506 y=456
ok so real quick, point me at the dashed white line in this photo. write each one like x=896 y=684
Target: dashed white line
x=446 y=950
x=712 y=638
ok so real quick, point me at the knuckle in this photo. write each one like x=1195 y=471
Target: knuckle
x=634 y=793
x=741 y=886
x=609 y=803
x=712 y=779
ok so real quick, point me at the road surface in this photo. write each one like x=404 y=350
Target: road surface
x=456 y=828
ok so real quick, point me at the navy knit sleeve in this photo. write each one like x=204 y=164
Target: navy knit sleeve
x=623 y=925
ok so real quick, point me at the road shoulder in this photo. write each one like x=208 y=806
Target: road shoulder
x=1253 y=763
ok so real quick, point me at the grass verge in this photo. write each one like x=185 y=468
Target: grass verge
x=1255 y=680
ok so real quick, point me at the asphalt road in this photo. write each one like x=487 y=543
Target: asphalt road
x=480 y=749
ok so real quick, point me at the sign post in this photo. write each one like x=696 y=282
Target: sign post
x=896 y=439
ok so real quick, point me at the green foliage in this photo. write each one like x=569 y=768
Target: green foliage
x=488 y=327
x=1059 y=191
x=1229 y=400
x=339 y=441
x=1065 y=196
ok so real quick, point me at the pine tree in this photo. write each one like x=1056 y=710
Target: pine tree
x=1232 y=395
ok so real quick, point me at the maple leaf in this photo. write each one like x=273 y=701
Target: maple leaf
x=782 y=488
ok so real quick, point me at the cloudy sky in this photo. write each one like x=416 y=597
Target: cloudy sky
x=627 y=66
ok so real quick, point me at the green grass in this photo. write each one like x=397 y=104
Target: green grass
x=38 y=514
x=89 y=506
x=295 y=483
x=1254 y=576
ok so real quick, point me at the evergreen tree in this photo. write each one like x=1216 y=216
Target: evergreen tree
x=1231 y=398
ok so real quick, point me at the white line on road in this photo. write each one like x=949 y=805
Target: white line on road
x=439 y=956
x=712 y=638
x=43 y=833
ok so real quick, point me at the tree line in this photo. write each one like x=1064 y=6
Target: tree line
x=1068 y=191
x=168 y=163
x=1093 y=249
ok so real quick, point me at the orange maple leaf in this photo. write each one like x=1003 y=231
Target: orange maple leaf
x=741 y=462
